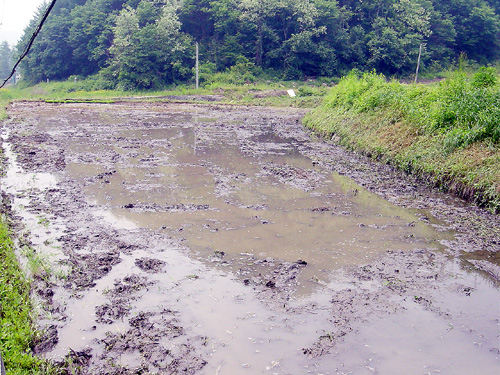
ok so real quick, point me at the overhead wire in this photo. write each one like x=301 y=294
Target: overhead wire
x=32 y=39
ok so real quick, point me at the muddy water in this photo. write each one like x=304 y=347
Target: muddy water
x=260 y=257
x=267 y=200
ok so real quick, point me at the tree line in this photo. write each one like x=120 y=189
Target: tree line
x=147 y=44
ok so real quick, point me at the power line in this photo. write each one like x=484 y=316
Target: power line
x=28 y=47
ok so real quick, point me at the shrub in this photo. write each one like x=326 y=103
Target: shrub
x=485 y=77
x=206 y=72
x=306 y=91
x=359 y=93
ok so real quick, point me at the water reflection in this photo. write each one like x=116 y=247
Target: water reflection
x=239 y=192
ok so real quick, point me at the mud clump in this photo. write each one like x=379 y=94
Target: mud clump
x=274 y=280
x=121 y=297
x=87 y=268
x=180 y=207
x=129 y=285
x=47 y=341
x=43 y=287
x=146 y=338
x=39 y=152
x=108 y=313
x=77 y=361
x=305 y=179
x=150 y=265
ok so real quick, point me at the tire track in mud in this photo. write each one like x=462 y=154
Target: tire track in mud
x=122 y=298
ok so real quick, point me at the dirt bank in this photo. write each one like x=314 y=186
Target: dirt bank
x=211 y=239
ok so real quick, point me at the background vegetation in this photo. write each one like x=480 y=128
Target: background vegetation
x=147 y=44
x=447 y=132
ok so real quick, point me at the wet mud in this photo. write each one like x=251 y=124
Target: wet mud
x=208 y=239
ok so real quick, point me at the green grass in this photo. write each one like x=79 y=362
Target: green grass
x=447 y=132
x=17 y=332
x=309 y=94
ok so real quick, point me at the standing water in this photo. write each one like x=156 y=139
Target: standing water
x=220 y=223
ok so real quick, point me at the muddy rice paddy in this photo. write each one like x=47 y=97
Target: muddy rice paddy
x=170 y=238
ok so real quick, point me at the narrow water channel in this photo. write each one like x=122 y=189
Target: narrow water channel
x=218 y=197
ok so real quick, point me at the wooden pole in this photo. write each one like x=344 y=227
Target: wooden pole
x=197 y=66
x=418 y=62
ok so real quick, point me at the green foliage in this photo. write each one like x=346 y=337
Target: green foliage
x=17 y=330
x=148 y=50
x=306 y=91
x=206 y=71
x=243 y=72
x=485 y=77
x=147 y=44
x=464 y=110
x=363 y=92
x=5 y=60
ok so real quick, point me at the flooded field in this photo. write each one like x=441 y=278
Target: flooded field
x=210 y=239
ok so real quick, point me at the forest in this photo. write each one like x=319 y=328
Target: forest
x=150 y=44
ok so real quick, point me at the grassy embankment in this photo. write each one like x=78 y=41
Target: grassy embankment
x=446 y=132
x=17 y=328
x=16 y=322
x=17 y=332
x=308 y=94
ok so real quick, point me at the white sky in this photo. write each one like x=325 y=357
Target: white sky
x=14 y=17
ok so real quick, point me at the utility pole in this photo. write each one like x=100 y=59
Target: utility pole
x=197 y=66
x=418 y=62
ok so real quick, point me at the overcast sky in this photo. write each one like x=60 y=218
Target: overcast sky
x=14 y=17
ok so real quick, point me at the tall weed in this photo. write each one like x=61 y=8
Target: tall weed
x=463 y=109
x=359 y=93
x=467 y=111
